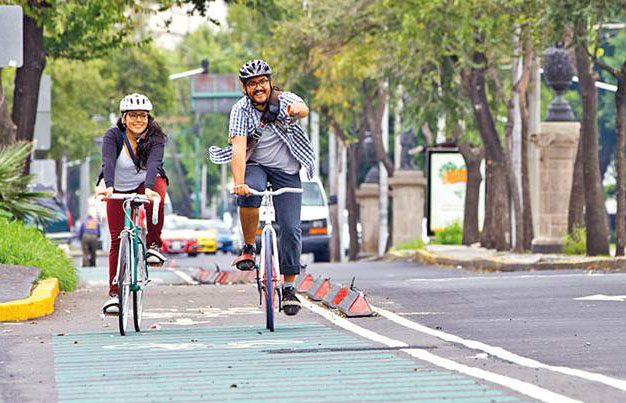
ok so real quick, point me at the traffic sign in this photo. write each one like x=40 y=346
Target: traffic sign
x=11 y=36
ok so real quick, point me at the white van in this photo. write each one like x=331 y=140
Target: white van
x=314 y=220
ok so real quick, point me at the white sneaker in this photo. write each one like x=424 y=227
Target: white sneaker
x=111 y=307
x=154 y=256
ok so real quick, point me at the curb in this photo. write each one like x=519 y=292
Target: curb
x=40 y=303
x=492 y=264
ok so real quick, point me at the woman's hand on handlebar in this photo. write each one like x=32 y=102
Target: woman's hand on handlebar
x=105 y=192
x=151 y=194
x=241 y=190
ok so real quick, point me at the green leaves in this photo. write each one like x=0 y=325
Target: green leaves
x=16 y=201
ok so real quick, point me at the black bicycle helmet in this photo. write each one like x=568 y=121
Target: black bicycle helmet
x=254 y=68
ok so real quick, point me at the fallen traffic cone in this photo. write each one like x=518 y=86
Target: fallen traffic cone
x=319 y=289
x=334 y=297
x=304 y=282
x=354 y=305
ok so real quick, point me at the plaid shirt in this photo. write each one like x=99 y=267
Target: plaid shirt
x=244 y=121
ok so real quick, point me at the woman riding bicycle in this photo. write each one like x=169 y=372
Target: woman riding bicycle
x=132 y=162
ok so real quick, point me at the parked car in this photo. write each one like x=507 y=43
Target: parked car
x=205 y=235
x=178 y=236
x=227 y=238
x=314 y=221
x=58 y=228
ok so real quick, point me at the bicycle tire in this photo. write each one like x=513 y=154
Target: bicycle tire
x=123 y=282
x=138 y=295
x=269 y=285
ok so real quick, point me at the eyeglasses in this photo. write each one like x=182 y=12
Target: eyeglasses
x=137 y=115
x=251 y=85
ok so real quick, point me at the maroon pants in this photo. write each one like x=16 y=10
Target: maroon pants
x=115 y=216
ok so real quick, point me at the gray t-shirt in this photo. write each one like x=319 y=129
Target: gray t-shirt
x=272 y=152
x=126 y=176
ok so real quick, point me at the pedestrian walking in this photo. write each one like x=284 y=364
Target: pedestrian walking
x=89 y=234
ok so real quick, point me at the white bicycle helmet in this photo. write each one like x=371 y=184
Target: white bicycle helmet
x=135 y=102
x=254 y=68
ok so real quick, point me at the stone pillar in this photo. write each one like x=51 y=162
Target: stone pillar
x=408 y=205
x=367 y=197
x=555 y=145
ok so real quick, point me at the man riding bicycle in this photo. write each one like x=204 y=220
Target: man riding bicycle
x=268 y=145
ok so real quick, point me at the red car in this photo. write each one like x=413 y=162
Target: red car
x=177 y=237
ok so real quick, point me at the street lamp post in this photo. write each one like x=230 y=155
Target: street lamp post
x=204 y=69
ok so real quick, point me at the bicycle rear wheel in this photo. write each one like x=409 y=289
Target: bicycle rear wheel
x=123 y=281
x=269 y=284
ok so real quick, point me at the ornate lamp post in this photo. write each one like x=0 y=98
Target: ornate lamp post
x=558 y=72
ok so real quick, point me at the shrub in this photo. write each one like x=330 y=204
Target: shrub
x=26 y=246
x=576 y=242
x=450 y=235
x=16 y=200
x=411 y=245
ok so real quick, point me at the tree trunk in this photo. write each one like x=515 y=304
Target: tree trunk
x=473 y=156
x=27 y=81
x=7 y=128
x=375 y=116
x=595 y=212
x=576 y=209
x=620 y=97
x=496 y=227
x=351 y=200
x=522 y=89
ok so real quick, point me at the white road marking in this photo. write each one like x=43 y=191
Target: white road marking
x=522 y=387
x=262 y=343
x=602 y=297
x=502 y=353
x=507 y=278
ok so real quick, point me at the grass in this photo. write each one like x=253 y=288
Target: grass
x=411 y=245
x=450 y=235
x=576 y=242
x=25 y=246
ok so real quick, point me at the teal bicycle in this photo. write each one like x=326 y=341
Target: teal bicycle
x=132 y=268
x=268 y=272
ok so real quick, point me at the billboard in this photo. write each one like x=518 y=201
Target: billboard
x=447 y=178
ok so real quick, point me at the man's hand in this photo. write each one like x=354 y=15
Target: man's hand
x=241 y=190
x=298 y=110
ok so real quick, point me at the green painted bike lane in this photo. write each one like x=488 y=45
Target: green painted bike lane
x=303 y=362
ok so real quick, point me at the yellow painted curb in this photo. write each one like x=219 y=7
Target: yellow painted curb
x=40 y=303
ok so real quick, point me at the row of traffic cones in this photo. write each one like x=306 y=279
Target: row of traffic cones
x=350 y=301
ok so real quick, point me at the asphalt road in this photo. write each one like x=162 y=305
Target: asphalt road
x=463 y=336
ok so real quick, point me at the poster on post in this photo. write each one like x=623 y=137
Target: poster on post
x=447 y=178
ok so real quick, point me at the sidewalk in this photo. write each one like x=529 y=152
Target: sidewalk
x=481 y=259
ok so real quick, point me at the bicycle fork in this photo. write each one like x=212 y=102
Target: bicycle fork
x=261 y=275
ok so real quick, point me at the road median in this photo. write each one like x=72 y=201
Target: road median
x=481 y=259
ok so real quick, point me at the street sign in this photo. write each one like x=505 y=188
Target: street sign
x=11 y=37
x=214 y=93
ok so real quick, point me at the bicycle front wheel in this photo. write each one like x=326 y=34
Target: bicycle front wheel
x=123 y=281
x=138 y=293
x=269 y=284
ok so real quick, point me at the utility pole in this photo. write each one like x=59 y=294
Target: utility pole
x=315 y=140
x=397 y=130
x=196 y=167
x=84 y=188
x=333 y=184
x=64 y=178
x=383 y=200
x=223 y=187
x=203 y=190
x=342 y=167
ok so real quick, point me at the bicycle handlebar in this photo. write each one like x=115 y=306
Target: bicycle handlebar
x=139 y=198
x=275 y=192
